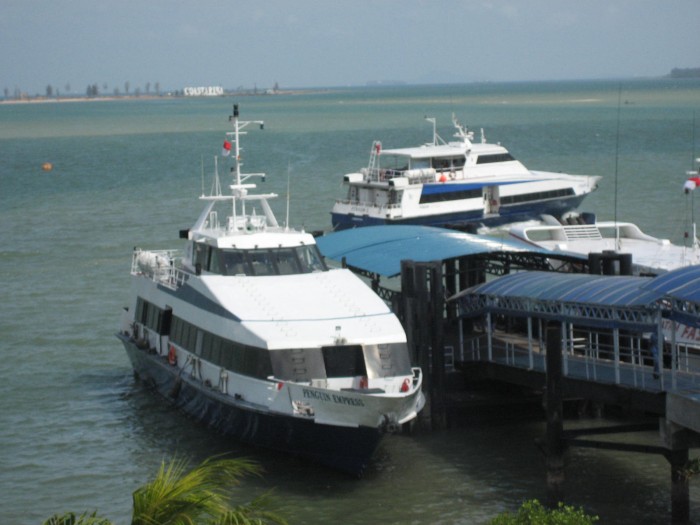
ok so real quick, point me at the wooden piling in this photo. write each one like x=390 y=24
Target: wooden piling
x=554 y=449
x=436 y=317
x=680 y=490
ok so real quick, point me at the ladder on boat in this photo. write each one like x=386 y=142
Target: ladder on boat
x=376 y=149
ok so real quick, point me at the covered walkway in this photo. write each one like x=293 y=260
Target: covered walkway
x=587 y=335
x=608 y=324
x=520 y=314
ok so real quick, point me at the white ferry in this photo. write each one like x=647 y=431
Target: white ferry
x=460 y=184
x=249 y=331
x=582 y=234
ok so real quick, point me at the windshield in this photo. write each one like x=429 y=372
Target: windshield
x=277 y=261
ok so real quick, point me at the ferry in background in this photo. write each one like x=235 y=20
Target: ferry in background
x=248 y=331
x=460 y=184
x=582 y=234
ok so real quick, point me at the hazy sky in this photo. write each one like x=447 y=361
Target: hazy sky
x=304 y=43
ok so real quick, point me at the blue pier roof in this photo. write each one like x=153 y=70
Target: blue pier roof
x=599 y=300
x=380 y=249
x=621 y=291
x=682 y=284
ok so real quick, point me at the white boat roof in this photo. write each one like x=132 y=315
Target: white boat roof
x=266 y=239
x=312 y=309
x=650 y=253
x=443 y=150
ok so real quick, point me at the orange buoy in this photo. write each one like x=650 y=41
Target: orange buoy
x=47 y=166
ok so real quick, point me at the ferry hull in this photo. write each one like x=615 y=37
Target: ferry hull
x=465 y=219
x=348 y=449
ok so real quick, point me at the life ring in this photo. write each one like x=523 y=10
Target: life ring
x=172 y=356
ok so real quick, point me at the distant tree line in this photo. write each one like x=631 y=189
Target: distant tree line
x=91 y=91
x=95 y=90
x=693 y=72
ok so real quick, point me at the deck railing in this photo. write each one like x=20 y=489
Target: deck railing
x=162 y=266
x=593 y=356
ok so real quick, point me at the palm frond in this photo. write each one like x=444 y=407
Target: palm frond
x=178 y=496
x=257 y=512
x=70 y=518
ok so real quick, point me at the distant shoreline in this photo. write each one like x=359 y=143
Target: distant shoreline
x=108 y=98
x=676 y=74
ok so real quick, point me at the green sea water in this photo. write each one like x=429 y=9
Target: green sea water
x=76 y=433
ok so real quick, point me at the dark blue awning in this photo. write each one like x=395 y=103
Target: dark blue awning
x=595 y=300
x=682 y=284
x=571 y=288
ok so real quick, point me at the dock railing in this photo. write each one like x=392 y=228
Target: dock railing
x=598 y=356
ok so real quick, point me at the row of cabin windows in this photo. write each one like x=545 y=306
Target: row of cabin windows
x=537 y=196
x=152 y=317
x=277 y=261
x=451 y=163
x=511 y=199
x=299 y=364
x=450 y=196
x=438 y=163
x=496 y=157
x=242 y=359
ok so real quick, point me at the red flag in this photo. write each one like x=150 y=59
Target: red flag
x=226 y=150
x=691 y=184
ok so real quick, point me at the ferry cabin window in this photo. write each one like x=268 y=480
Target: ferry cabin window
x=215 y=261
x=201 y=255
x=235 y=263
x=280 y=261
x=311 y=260
x=262 y=262
x=427 y=198
x=242 y=359
x=344 y=361
x=537 y=196
x=496 y=157
x=395 y=196
x=286 y=261
x=420 y=164
x=152 y=317
x=448 y=163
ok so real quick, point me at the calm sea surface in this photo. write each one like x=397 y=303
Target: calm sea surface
x=77 y=434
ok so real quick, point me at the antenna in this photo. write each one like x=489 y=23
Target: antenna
x=238 y=127
x=433 y=120
x=286 y=219
x=617 y=156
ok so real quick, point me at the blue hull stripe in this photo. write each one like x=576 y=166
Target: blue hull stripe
x=508 y=214
x=456 y=187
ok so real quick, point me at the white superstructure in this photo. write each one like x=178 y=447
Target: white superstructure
x=248 y=330
x=462 y=184
x=650 y=255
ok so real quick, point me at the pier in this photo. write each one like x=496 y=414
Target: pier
x=516 y=315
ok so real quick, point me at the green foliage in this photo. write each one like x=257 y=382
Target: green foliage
x=533 y=513
x=691 y=469
x=70 y=518
x=200 y=496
